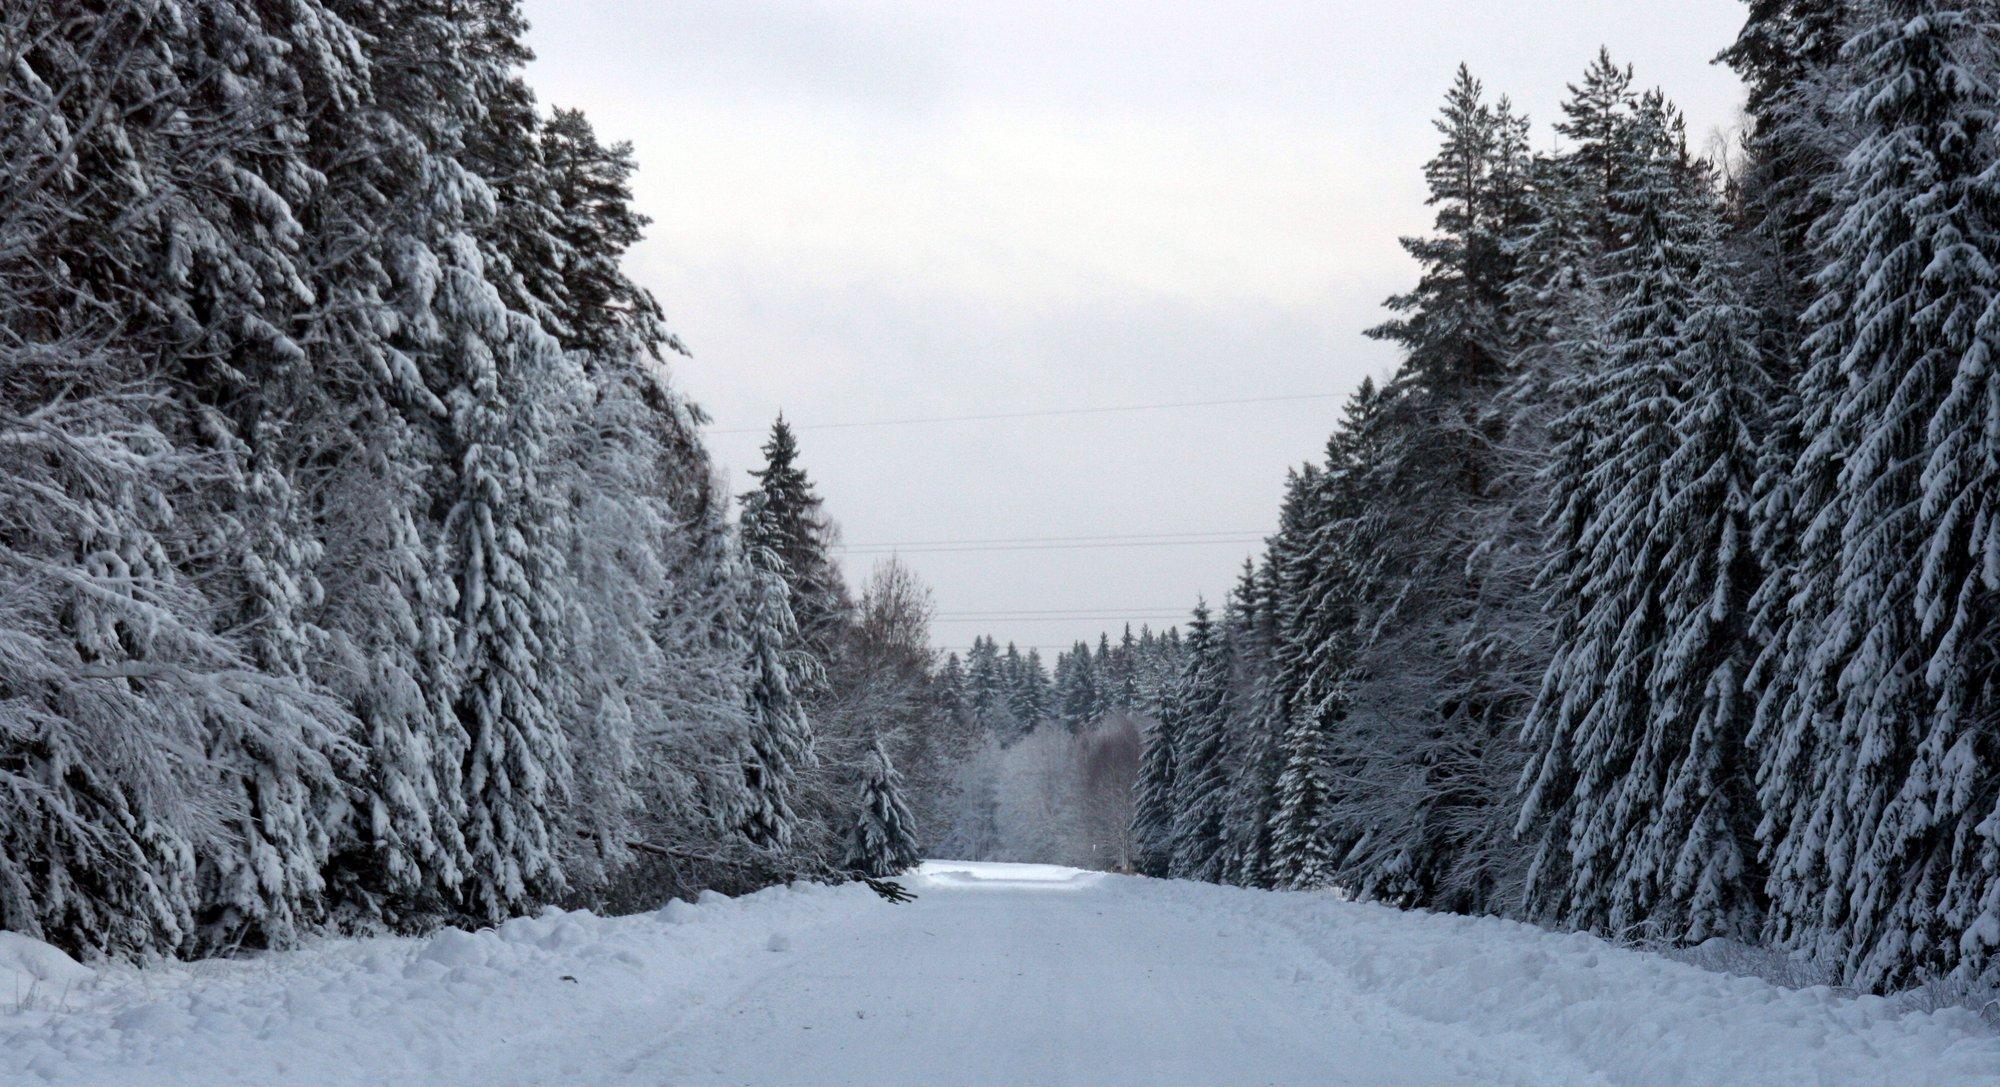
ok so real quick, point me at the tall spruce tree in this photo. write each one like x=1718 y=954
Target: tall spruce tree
x=1599 y=757
x=780 y=742
x=1198 y=713
x=1697 y=858
x=1875 y=772
x=794 y=527
x=1153 y=796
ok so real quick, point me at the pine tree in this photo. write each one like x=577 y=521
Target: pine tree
x=883 y=842
x=1440 y=428
x=607 y=316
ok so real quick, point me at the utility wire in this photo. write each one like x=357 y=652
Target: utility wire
x=1043 y=414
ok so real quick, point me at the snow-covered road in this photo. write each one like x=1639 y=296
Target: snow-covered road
x=1045 y=976
x=998 y=974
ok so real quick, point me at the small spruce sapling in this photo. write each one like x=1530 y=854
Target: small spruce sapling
x=883 y=842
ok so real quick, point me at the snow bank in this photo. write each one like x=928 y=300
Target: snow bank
x=456 y=1007
x=33 y=973
x=1630 y=1016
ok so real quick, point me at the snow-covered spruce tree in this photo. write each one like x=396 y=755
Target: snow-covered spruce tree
x=1876 y=770
x=780 y=741
x=1255 y=725
x=1198 y=719
x=517 y=758
x=1698 y=854
x=232 y=298
x=948 y=695
x=883 y=841
x=1556 y=317
x=1603 y=747
x=1305 y=843
x=183 y=224
x=1123 y=680
x=794 y=527
x=401 y=858
x=1075 y=697
x=1036 y=695
x=480 y=339
x=1788 y=52
x=1314 y=657
x=1153 y=799
x=987 y=684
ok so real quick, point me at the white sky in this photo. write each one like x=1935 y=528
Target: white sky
x=895 y=209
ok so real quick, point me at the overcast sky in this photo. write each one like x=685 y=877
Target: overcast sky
x=897 y=209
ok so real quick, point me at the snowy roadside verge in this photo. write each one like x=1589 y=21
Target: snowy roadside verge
x=1636 y=1018
x=454 y=1007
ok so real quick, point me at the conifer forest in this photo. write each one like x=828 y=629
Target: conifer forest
x=367 y=574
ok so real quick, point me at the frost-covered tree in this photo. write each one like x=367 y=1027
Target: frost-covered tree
x=780 y=740
x=1197 y=717
x=794 y=527
x=883 y=841
x=1076 y=695
x=1788 y=53
x=1875 y=771
x=1153 y=801
x=1305 y=846
x=1437 y=431
x=1256 y=725
x=1696 y=861
x=1592 y=778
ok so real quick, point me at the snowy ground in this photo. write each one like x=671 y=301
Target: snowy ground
x=998 y=974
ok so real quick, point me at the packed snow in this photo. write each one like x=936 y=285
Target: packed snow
x=997 y=974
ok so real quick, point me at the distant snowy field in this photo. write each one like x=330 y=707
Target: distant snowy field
x=998 y=974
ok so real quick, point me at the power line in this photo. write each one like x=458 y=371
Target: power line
x=986 y=417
